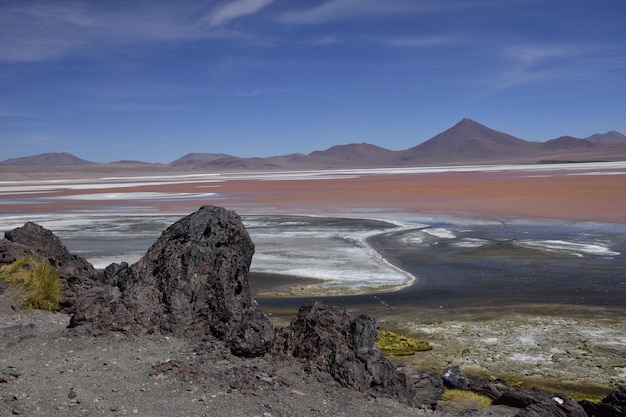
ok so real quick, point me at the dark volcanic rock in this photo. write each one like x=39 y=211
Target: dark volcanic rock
x=328 y=340
x=536 y=403
x=426 y=387
x=454 y=378
x=492 y=388
x=192 y=283
x=32 y=239
x=613 y=405
x=532 y=402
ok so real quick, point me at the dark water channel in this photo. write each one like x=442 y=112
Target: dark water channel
x=497 y=264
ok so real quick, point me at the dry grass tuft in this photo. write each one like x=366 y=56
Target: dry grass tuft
x=398 y=345
x=465 y=399
x=36 y=282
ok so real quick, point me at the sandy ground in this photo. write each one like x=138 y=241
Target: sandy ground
x=45 y=372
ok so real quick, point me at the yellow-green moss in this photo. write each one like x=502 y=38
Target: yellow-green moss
x=399 y=345
x=463 y=399
x=36 y=282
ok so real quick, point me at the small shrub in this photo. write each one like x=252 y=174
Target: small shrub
x=465 y=398
x=398 y=345
x=37 y=283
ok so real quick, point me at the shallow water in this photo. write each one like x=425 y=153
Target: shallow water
x=457 y=262
x=519 y=262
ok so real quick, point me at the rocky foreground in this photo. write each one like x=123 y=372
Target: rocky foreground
x=177 y=333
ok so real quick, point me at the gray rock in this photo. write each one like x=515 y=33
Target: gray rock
x=613 y=405
x=327 y=339
x=536 y=402
x=426 y=387
x=454 y=378
x=193 y=283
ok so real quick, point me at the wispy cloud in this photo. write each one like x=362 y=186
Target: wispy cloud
x=42 y=31
x=9 y=113
x=526 y=63
x=529 y=55
x=334 y=10
x=228 y=11
x=342 y=9
x=427 y=41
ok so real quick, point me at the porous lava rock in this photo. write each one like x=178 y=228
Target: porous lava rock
x=454 y=378
x=533 y=402
x=75 y=272
x=327 y=339
x=425 y=387
x=536 y=402
x=613 y=405
x=192 y=283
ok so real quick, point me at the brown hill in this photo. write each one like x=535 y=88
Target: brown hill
x=567 y=143
x=608 y=137
x=47 y=159
x=469 y=142
x=353 y=154
x=196 y=158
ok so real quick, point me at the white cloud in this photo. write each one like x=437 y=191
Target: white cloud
x=37 y=31
x=528 y=55
x=334 y=10
x=536 y=63
x=235 y=9
x=423 y=41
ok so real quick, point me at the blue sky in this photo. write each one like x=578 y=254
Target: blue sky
x=153 y=80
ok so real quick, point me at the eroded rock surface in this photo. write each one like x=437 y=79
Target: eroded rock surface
x=530 y=402
x=613 y=405
x=32 y=239
x=327 y=339
x=191 y=283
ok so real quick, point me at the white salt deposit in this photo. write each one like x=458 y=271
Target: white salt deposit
x=470 y=243
x=135 y=196
x=339 y=255
x=568 y=248
x=439 y=232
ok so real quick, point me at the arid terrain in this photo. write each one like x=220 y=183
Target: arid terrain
x=574 y=351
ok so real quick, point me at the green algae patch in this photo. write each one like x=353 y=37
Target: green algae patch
x=36 y=282
x=399 y=345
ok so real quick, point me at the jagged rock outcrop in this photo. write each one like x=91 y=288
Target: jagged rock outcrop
x=536 y=402
x=426 y=387
x=329 y=340
x=191 y=283
x=32 y=239
x=530 y=402
x=613 y=405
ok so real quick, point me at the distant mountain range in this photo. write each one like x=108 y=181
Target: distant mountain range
x=467 y=142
